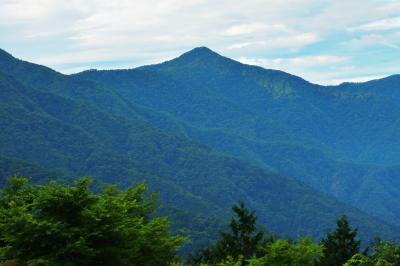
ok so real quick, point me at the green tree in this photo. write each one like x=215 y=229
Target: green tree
x=383 y=254
x=359 y=260
x=340 y=245
x=239 y=243
x=68 y=225
x=282 y=252
x=386 y=253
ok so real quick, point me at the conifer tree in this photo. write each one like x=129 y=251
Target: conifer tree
x=340 y=245
x=243 y=238
x=239 y=243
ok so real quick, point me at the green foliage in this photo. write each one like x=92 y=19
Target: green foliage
x=386 y=253
x=341 y=244
x=359 y=260
x=239 y=244
x=283 y=252
x=383 y=254
x=229 y=261
x=68 y=225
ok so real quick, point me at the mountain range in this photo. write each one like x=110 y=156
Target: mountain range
x=206 y=131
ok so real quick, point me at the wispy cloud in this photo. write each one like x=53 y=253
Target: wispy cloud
x=308 y=67
x=379 y=25
x=246 y=29
x=370 y=40
x=290 y=41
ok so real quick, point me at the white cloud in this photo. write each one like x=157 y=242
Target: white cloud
x=245 y=29
x=370 y=40
x=290 y=42
x=299 y=40
x=306 y=66
x=391 y=7
x=379 y=25
x=12 y=12
x=246 y=44
x=304 y=61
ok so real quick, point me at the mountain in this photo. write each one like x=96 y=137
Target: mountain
x=338 y=139
x=182 y=136
x=11 y=166
x=388 y=87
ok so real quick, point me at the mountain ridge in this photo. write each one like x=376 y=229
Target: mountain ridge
x=151 y=123
x=194 y=54
x=336 y=120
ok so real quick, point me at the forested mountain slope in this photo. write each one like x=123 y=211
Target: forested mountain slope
x=97 y=127
x=337 y=139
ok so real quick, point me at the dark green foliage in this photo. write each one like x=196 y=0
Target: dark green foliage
x=244 y=244
x=340 y=245
x=244 y=237
x=240 y=242
x=59 y=225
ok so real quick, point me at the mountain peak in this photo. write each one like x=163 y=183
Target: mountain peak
x=201 y=49
x=199 y=56
x=200 y=52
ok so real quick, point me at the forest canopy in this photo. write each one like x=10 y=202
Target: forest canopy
x=57 y=224
x=69 y=225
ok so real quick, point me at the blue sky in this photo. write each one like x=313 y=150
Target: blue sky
x=325 y=42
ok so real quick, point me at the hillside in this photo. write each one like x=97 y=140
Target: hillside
x=337 y=139
x=160 y=129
